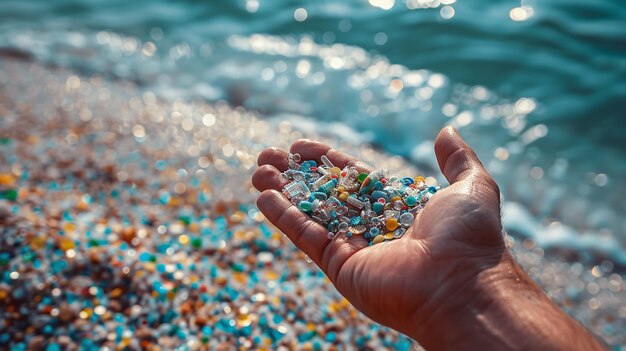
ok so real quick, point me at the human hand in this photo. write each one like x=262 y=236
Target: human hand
x=444 y=270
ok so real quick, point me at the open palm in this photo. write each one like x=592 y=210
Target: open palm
x=403 y=282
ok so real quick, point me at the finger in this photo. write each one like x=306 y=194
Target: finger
x=313 y=150
x=275 y=157
x=338 y=251
x=456 y=159
x=268 y=177
x=458 y=162
x=307 y=235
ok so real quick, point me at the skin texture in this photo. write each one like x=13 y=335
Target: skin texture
x=449 y=282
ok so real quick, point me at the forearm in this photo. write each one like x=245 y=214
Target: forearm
x=504 y=310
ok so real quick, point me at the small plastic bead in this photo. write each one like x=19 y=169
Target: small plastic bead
x=326 y=162
x=378 y=194
x=398 y=233
x=328 y=186
x=319 y=195
x=355 y=202
x=391 y=224
x=398 y=205
x=357 y=229
x=295 y=157
x=378 y=207
x=378 y=239
x=297 y=188
x=305 y=206
x=342 y=210
x=406 y=219
x=361 y=177
x=343 y=196
x=407 y=181
x=410 y=201
x=321 y=181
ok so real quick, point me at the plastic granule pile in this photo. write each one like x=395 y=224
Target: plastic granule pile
x=348 y=202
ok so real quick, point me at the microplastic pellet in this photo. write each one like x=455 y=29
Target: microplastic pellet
x=326 y=161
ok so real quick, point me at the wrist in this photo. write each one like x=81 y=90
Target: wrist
x=457 y=310
x=499 y=308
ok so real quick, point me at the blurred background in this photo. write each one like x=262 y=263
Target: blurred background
x=536 y=87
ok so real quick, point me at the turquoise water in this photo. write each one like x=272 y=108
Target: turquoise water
x=540 y=99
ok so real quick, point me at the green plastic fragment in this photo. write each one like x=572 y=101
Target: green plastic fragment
x=185 y=219
x=196 y=243
x=361 y=177
x=10 y=194
x=238 y=267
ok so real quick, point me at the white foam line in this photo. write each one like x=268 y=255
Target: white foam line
x=517 y=219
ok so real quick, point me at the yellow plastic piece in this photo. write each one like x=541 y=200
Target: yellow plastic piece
x=38 y=243
x=67 y=244
x=170 y=295
x=7 y=179
x=271 y=275
x=392 y=224
x=343 y=196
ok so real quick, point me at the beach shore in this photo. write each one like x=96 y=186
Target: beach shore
x=129 y=221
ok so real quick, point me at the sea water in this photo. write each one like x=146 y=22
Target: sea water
x=536 y=88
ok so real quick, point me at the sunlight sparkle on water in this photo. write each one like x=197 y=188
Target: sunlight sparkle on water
x=252 y=6
x=447 y=12
x=519 y=14
x=383 y=4
x=300 y=14
x=380 y=38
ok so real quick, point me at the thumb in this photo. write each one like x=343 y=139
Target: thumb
x=459 y=164
x=456 y=159
x=477 y=194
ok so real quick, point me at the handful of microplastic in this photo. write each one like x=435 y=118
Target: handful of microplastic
x=346 y=202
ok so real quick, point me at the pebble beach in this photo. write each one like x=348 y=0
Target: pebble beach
x=128 y=222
